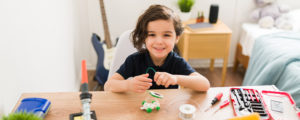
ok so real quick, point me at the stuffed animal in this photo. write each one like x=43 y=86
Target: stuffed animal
x=270 y=14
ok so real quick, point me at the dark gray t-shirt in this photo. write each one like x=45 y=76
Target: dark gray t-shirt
x=137 y=64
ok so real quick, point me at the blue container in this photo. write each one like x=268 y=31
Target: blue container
x=37 y=106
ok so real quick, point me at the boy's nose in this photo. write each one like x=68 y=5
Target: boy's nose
x=159 y=40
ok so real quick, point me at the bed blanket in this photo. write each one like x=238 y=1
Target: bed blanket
x=275 y=60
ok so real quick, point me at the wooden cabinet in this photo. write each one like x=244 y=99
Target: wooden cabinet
x=209 y=43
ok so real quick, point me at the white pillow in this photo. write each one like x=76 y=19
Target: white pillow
x=294 y=16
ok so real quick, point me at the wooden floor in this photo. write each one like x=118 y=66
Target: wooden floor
x=232 y=78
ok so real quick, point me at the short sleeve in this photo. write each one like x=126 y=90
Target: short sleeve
x=127 y=68
x=183 y=67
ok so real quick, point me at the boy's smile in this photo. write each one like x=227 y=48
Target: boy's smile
x=159 y=49
x=160 y=40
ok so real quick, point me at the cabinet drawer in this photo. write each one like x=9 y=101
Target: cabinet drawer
x=207 y=46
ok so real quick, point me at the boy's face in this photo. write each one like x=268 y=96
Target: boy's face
x=161 y=38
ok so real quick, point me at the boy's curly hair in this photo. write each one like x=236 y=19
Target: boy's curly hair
x=154 y=12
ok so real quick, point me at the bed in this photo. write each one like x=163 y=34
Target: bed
x=271 y=57
x=250 y=32
x=275 y=60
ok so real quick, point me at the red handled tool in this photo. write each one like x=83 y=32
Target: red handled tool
x=215 y=100
x=224 y=104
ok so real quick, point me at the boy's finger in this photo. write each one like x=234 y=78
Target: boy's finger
x=145 y=80
x=167 y=84
x=164 y=80
x=140 y=91
x=160 y=79
x=143 y=88
x=157 y=74
x=144 y=75
x=145 y=84
x=146 y=88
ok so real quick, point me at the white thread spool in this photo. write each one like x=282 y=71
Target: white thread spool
x=187 y=112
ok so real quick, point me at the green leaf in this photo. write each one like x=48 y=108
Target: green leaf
x=185 y=5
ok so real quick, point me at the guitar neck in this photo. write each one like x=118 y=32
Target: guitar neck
x=105 y=26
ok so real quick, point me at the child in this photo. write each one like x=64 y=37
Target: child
x=156 y=66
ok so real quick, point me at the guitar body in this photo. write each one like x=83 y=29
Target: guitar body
x=108 y=56
x=104 y=58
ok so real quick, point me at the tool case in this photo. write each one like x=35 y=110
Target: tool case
x=246 y=101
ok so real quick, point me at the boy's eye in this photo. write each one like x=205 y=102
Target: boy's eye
x=151 y=34
x=167 y=35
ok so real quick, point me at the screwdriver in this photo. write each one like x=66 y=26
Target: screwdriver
x=215 y=100
x=224 y=104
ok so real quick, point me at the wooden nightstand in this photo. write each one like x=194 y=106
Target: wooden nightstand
x=209 y=43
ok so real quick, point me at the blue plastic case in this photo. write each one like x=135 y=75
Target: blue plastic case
x=38 y=106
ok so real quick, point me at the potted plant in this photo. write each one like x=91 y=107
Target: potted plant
x=21 y=116
x=185 y=7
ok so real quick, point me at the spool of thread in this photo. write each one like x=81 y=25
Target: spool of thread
x=187 y=112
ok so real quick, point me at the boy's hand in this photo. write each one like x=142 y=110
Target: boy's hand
x=165 y=79
x=139 y=83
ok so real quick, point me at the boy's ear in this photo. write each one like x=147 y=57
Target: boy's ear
x=177 y=39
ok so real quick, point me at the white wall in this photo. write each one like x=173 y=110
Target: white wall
x=40 y=47
x=123 y=14
x=43 y=41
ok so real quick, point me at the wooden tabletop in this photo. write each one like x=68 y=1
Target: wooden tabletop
x=126 y=106
x=218 y=28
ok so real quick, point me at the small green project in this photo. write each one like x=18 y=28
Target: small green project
x=151 y=102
